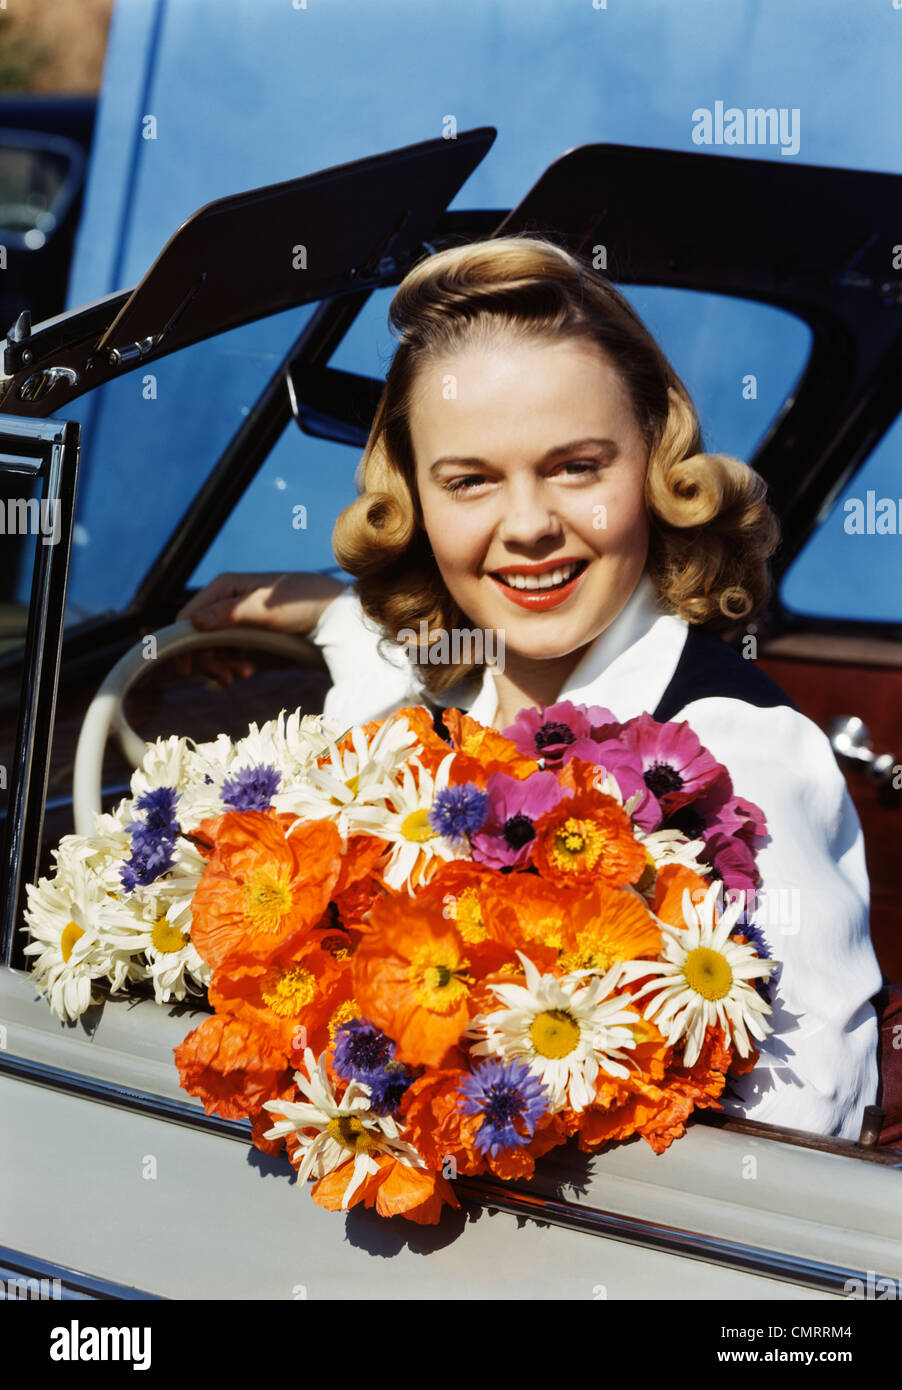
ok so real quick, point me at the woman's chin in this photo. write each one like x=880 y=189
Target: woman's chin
x=527 y=645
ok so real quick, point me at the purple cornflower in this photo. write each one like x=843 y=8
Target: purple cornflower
x=159 y=810
x=360 y=1048
x=364 y=1053
x=153 y=839
x=753 y=935
x=251 y=789
x=506 y=1095
x=459 y=811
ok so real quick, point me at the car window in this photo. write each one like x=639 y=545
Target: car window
x=149 y=439
x=284 y=519
x=851 y=567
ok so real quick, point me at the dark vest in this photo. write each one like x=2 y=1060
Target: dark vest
x=707 y=667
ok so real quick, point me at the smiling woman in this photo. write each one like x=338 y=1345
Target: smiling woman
x=534 y=452
x=536 y=469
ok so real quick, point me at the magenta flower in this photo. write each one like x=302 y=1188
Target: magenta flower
x=717 y=810
x=752 y=822
x=732 y=860
x=625 y=766
x=562 y=731
x=675 y=766
x=506 y=838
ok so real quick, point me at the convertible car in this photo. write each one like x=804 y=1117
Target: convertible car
x=233 y=388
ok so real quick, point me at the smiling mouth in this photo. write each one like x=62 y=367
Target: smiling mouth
x=548 y=582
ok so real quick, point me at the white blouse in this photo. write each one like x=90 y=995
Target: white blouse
x=818 y=1070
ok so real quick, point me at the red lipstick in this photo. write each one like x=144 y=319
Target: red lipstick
x=537 y=600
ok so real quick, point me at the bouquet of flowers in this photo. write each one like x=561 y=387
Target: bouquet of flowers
x=426 y=958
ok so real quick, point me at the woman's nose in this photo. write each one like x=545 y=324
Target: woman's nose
x=527 y=518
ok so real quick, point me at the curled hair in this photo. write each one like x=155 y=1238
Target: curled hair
x=711 y=531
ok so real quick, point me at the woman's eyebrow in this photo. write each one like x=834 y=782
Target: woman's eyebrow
x=556 y=452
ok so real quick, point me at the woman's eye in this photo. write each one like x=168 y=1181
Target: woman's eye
x=580 y=467
x=465 y=484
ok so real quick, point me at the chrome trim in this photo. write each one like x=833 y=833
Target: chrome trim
x=58 y=444
x=180 y=1112
x=749 y=1259
x=75 y=1281
x=41 y=382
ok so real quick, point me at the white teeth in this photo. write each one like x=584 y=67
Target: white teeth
x=548 y=580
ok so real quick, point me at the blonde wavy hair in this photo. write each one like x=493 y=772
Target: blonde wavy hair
x=711 y=529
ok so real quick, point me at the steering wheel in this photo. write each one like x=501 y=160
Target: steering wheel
x=105 y=713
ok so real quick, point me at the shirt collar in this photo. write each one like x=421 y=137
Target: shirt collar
x=626 y=669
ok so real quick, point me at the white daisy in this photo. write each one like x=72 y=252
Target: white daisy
x=158 y=933
x=565 y=1029
x=71 y=953
x=166 y=763
x=672 y=847
x=704 y=978
x=350 y=786
x=416 y=846
x=331 y=1131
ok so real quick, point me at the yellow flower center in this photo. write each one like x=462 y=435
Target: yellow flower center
x=589 y=954
x=554 y=1033
x=708 y=973
x=416 y=827
x=343 y=1014
x=468 y=916
x=351 y=1133
x=544 y=929
x=267 y=899
x=71 y=933
x=439 y=978
x=293 y=989
x=353 y=786
x=577 y=844
x=165 y=937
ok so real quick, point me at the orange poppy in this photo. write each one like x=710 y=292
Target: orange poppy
x=481 y=751
x=268 y=880
x=588 y=836
x=396 y=1189
x=474 y=899
x=672 y=880
x=602 y=925
x=293 y=996
x=412 y=979
x=359 y=856
x=437 y=1127
x=232 y=1065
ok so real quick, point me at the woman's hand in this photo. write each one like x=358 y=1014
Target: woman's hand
x=278 y=601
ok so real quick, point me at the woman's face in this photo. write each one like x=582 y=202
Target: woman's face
x=531 y=469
